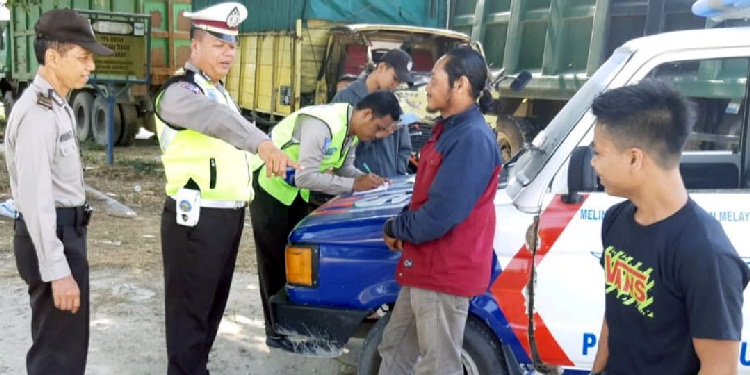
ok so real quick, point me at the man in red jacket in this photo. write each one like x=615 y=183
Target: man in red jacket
x=446 y=234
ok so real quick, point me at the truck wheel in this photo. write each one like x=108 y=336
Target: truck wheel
x=512 y=132
x=9 y=100
x=130 y=124
x=149 y=122
x=481 y=353
x=100 y=121
x=81 y=104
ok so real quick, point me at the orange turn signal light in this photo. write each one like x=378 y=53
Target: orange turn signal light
x=302 y=266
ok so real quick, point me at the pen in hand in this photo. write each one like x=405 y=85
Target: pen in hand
x=369 y=171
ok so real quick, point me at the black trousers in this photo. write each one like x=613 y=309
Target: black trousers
x=60 y=339
x=272 y=222
x=198 y=269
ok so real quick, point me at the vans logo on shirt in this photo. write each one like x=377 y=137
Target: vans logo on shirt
x=625 y=277
x=67 y=135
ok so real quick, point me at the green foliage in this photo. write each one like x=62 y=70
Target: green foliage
x=143 y=166
x=91 y=145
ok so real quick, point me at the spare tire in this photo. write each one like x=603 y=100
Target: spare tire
x=100 y=122
x=512 y=133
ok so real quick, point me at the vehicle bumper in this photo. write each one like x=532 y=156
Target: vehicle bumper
x=319 y=331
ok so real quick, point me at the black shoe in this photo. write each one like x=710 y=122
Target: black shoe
x=279 y=342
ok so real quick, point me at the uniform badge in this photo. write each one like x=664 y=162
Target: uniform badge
x=193 y=88
x=43 y=100
x=233 y=19
x=327 y=149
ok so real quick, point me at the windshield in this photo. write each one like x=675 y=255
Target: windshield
x=548 y=140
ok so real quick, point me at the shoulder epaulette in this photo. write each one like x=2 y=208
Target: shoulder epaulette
x=44 y=101
x=182 y=75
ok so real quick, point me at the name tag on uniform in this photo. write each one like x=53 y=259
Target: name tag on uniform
x=67 y=135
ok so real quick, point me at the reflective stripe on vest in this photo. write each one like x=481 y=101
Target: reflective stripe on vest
x=221 y=170
x=336 y=116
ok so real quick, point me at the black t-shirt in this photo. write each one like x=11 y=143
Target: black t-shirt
x=667 y=283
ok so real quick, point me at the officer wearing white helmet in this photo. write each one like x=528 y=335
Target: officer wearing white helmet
x=205 y=143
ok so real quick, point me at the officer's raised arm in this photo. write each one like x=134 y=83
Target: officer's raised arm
x=184 y=104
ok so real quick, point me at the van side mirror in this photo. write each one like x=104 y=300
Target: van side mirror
x=581 y=175
x=521 y=80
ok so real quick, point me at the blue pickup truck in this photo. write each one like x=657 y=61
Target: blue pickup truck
x=340 y=276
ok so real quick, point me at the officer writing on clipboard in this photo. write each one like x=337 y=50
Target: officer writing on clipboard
x=323 y=139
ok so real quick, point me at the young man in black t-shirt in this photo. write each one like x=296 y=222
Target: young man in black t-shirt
x=674 y=282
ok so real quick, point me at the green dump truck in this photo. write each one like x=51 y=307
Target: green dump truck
x=562 y=43
x=150 y=39
x=292 y=52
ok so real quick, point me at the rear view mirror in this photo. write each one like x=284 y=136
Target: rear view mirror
x=521 y=80
x=518 y=83
x=581 y=175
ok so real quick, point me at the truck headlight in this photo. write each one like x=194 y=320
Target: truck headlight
x=302 y=266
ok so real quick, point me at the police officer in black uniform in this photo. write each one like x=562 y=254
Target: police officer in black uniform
x=46 y=180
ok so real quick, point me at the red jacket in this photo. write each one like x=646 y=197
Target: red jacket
x=449 y=227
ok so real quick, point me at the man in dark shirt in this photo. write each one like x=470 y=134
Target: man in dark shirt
x=345 y=80
x=674 y=282
x=387 y=157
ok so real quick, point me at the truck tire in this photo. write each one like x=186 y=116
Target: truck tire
x=481 y=353
x=82 y=103
x=512 y=133
x=9 y=100
x=130 y=124
x=100 y=120
x=149 y=122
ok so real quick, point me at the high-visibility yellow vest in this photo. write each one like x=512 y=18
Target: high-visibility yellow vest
x=221 y=171
x=336 y=116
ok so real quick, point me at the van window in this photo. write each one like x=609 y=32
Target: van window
x=713 y=154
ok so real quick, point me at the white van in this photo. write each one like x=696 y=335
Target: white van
x=553 y=179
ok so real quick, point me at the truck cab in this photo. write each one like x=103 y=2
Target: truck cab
x=543 y=309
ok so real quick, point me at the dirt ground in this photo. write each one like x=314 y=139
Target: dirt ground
x=127 y=321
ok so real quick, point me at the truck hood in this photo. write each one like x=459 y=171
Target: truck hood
x=356 y=217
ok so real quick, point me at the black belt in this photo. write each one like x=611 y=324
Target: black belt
x=70 y=216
